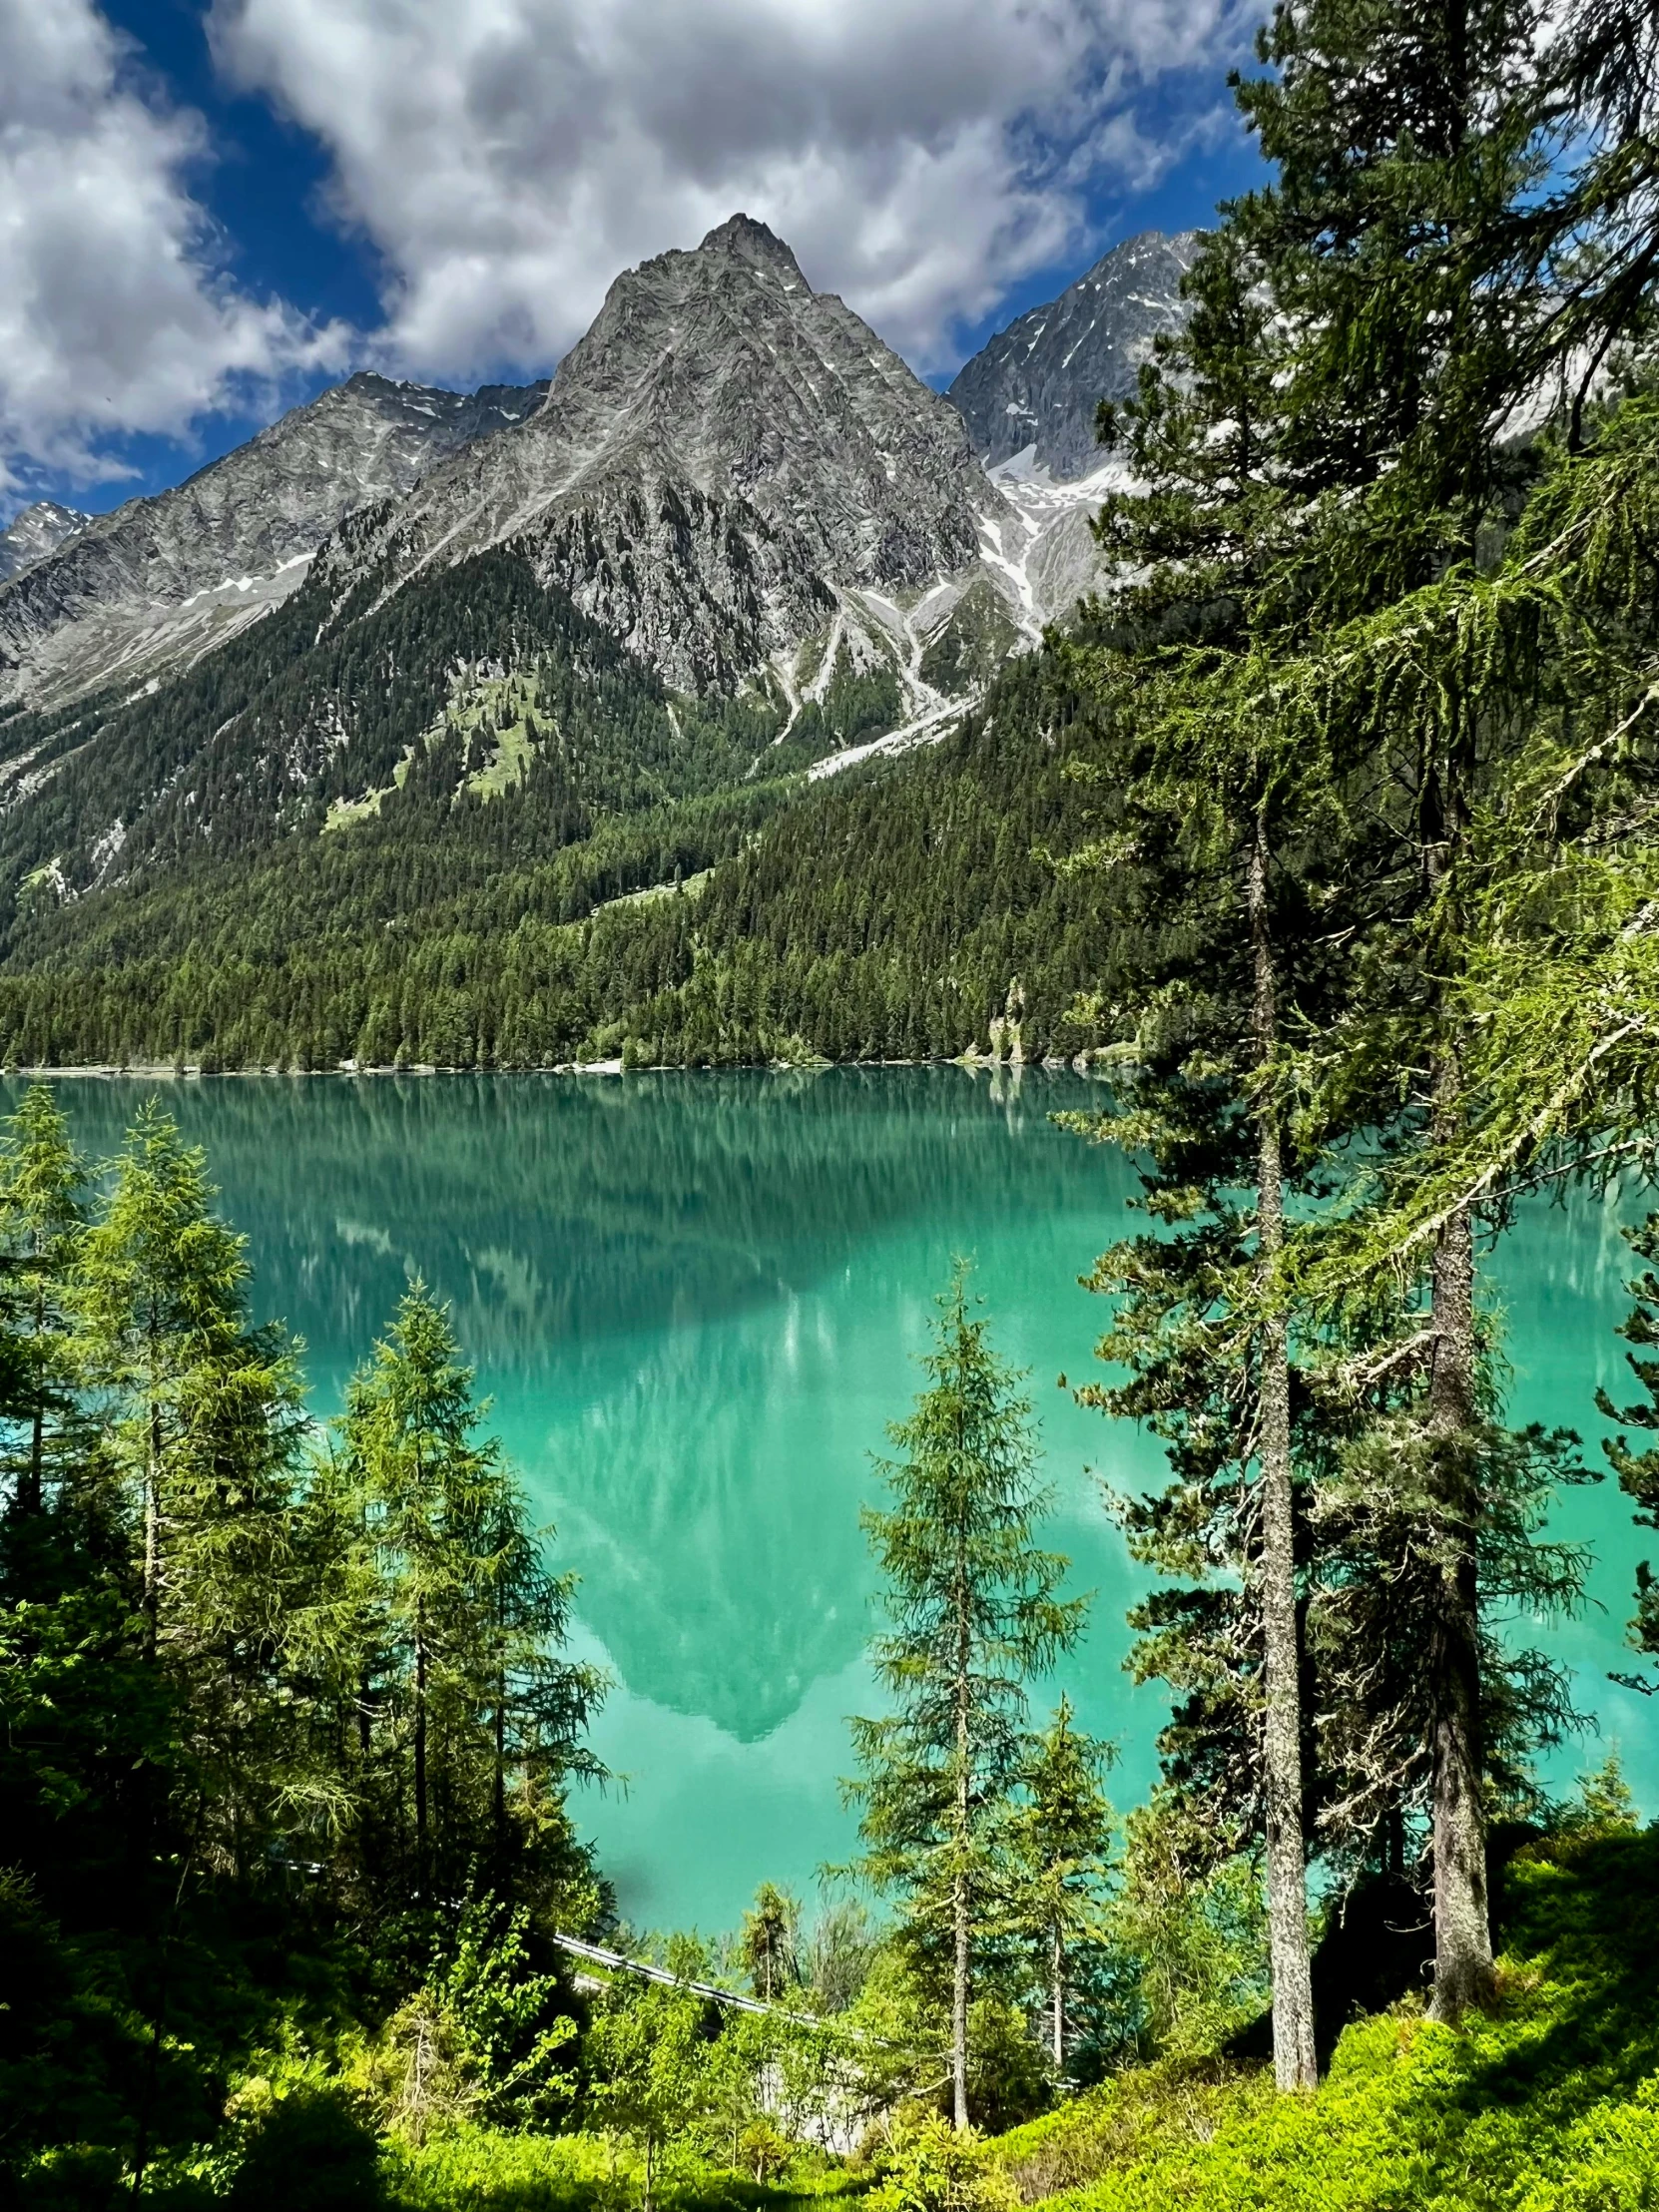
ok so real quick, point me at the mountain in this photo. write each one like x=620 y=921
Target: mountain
x=34 y=533
x=162 y=579
x=1032 y=390
x=733 y=501
x=721 y=455
x=575 y=657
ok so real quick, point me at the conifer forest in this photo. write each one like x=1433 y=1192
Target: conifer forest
x=1327 y=837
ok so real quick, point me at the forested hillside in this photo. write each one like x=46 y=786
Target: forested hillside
x=893 y=912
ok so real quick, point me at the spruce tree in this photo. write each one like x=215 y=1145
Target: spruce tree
x=973 y=1610
x=1326 y=443
x=42 y=1221
x=477 y=1715
x=205 y=1420
x=1061 y=1859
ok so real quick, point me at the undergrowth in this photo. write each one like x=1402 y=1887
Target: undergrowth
x=1548 y=2104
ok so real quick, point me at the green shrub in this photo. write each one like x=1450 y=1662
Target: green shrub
x=1548 y=2104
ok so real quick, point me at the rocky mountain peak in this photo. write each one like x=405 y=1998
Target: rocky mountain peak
x=35 y=532
x=100 y=603
x=742 y=237
x=721 y=450
x=1034 y=388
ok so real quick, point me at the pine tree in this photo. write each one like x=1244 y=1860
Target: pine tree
x=42 y=1221
x=161 y=1289
x=206 y=1419
x=974 y=1611
x=1061 y=1861
x=478 y=1715
x=768 y=1940
x=1325 y=451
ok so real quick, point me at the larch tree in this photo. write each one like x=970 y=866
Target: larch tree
x=973 y=1610
x=769 y=1942
x=205 y=1420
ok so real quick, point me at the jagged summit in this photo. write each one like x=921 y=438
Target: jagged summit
x=1034 y=388
x=35 y=532
x=743 y=237
x=720 y=452
x=164 y=576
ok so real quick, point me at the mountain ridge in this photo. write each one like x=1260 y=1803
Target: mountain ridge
x=734 y=516
x=752 y=440
x=1033 y=387
x=36 y=531
x=109 y=603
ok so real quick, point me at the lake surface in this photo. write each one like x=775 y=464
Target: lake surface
x=695 y=1301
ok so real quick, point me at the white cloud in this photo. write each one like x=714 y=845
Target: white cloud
x=114 y=316
x=506 y=158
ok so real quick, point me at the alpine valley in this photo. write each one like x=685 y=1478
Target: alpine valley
x=671 y=712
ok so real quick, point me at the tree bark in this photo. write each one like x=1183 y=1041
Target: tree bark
x=960 y=1887
x=153 y=1502
x=500 y=1804
x=420 y=1756
x=1295 y=2063
x=1462 y=1930
x=33 y=1491
x=1057 y=1978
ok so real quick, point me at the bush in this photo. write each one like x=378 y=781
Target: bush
x=310 y=2151
x=1548 y=2104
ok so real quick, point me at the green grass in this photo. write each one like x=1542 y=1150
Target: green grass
x=475 y=2168
x=1551 y=2104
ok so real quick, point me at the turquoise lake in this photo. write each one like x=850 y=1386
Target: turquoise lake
x=695 y=1301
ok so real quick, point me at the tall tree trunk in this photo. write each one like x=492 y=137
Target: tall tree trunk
x=1294 y=2064
x=1462 y=1930
x=500 y=1806
x=960 y=1887
x=34 y=1485
x=420 y=1753
x=32 y=1489
x=154 y=1528
x=1057 y=1983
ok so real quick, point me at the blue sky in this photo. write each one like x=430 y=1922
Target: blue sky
x=209 y=211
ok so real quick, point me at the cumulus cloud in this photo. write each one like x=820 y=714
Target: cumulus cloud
x=505 y=158
x=114 y=314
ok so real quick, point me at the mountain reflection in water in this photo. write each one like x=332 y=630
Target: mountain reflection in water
x=695 y=1301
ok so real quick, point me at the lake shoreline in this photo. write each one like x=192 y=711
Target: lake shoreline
x=171 y=1071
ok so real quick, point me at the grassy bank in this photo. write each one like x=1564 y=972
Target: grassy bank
x=1551 y=2104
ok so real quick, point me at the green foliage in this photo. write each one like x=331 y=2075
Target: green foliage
x=483 y=2042
x=935 y=2169
x=1192 y=1938
x=468 y=1724
x=652 y=2084
x=881 y=915
x=770 y=1942
x=1061 y=1868
x=206 y=1676
x=973 y=1610
x=1546 y=2104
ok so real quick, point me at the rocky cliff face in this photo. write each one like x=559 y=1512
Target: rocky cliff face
x=160 y=578
x=1034 y=388
x=34 y=533
x=732 y=489
x=722 y=450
